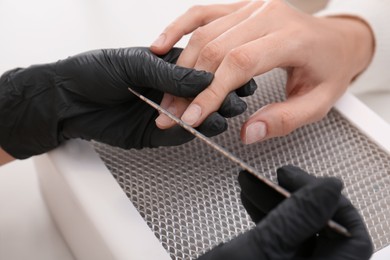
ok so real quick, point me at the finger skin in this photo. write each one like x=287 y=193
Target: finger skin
x=146 y=70
x=194 y=18
x=231 y=107
x=237 y=68
x=307 y=46
x=210 y=43
x=284 y=117
x=215 y=124
x=120 y=126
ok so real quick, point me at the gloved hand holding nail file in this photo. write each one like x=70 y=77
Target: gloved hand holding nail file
x=282 y=193
x=294 y=228
x=86 y=96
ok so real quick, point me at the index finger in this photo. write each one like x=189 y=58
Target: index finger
x=192 y=19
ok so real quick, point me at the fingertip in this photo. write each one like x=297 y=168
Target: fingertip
x=232 y=106
x=256 y=128
x=214 y=124
x=206 y=103
x=159 y=46
x=335 y=184
x=164 y=122
x=280 y=119
x=292 y=177
x=192 y=114
x=158 y=50
x=244 y=178
x=164 y=43
x=254 y=132
x=248 y=89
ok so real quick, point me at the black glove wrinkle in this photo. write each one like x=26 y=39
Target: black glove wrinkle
x=248 y=89
x=213 y=125
x=259 y=198
x=232 y=106
x=330 y=244
x=360 y=243
x=295 y=228
x=172 y=56
x=306 y=212
x=22 y=117
x=293 y=178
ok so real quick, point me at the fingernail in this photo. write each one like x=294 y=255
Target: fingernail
x=159 y=41
x=163 y=121
x=255 y=132
x=192 y=114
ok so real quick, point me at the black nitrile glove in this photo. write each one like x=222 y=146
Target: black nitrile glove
x=296 y=228
x=86 y=96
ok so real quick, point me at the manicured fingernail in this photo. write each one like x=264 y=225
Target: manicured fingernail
x=255 y=132
x=163 y=121
x=192 y=114
x=159 y=41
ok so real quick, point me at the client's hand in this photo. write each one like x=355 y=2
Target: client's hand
x=239 y=41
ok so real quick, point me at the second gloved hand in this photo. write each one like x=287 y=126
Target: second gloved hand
x=296 y=227
x=86 y=96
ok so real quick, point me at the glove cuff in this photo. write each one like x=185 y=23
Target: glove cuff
x=24 y=113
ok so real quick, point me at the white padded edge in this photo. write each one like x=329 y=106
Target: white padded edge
x=93 y=213
x=383 y=254
x=366 y=120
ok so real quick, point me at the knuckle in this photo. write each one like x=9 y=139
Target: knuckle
x=195 y=10
x=297 y=38
x=287 y=119
x=212 y=52
x=240 y=59
x=215 y=95
x=275 y=5
x=200 y=36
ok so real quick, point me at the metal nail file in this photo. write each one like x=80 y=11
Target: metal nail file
x=332 y=224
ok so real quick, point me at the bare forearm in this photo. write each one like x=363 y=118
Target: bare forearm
x=5 y=157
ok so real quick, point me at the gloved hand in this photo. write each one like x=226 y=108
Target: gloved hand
x=86 y=96
x=295 y=228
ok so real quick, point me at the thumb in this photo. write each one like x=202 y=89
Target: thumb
x=279 y=119
x=293 y=178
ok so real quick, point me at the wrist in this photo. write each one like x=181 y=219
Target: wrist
x=357 y=39
x=5 y=157
x=27 y=112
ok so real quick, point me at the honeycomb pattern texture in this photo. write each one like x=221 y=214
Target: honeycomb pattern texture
x=189 y=194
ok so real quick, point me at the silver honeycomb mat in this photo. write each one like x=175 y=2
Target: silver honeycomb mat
x=189 y=195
